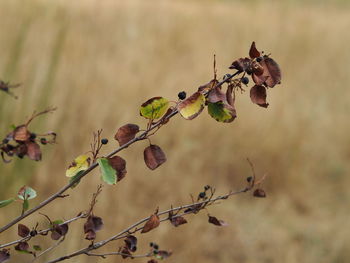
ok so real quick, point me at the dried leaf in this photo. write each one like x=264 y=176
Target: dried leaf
x=241 y=64
x=23 y=231
x=216 y=95
x=154 y=156
x=59 y=230
x=152 y=223
x=258 y=95
x=154 y=108
x=206 y=87
x=90 y=235
x=126 y=133
x=21 y=133
x=33 y=151
x=222 y=112
x=177 y=221
x=118 y=164
x=131 y=243
x=92 y=224
x=213 y=220
x=272 y=72
x=259 y=193
x=22 y=246
x=253 y=52
x=126 y=253
x=81 y=163
x=192 y=106
x=163 y=254
x=4 y=255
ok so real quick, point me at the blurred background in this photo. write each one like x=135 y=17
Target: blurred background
x=98 y=61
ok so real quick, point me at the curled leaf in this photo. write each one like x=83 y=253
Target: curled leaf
x=222 y=112
x=206 y=87
x=259 y=193
x=23 y=231
x=154 y=156
x=163 y=254
x=131 y=243
x=216 y=95
x=253 y=52
x=22 y=246
x=213 y=220
x=58 y=231
x=126 y=133
x=21 y=133
x=118 y=164
x=154 y=108
x=26 y=193
x=81 y=163
x=192 y=106
x=241 y=64
x=91 y=226
x=152 y=223
x=177 y=221
x=33 y=151
x=126 y=253
x=258 y=95
x=4 y=255
x=272 y=73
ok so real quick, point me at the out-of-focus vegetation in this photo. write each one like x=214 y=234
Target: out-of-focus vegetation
x=97 y=61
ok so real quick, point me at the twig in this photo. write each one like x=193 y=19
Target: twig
x=136 y=226
x=142 y=136
x=49 y=249
x=104 y=255
x=35 y=115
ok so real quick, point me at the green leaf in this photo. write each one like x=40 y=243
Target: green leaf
x=57 y=222
x=221 y=112
x=75 y=180
x=154 y=108
x=108 y=173
x=26 y=193
x=25 y=205
x=4 y=203
x=37 y=248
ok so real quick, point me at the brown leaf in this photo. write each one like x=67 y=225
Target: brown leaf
x=131 y=243
x=253 y=52
x=92 y=224
x=59 y=231
x=177 y=221
x=259 y=193
x=126 y=253
x=213 y=220
x=258 y=95
x=206 y=87
x=260 y=79
x=33 y=151
x=272 y=72
x=21 y=150
x=118 y=164
x=23 y=230
x=216 y=95
x=163 y=254
x=4 y=255
x=241 y=64
x=90 y=235
x=257 y=68
x=21 y=133
x=152 y=223
x=126 y=133
x=22 y=246
x=154 y=156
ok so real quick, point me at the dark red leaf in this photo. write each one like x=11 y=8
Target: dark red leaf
x=90 y=235
x=126 y=133
x=92 y=224
x=131 y=243
x=22 y=246
x=23 y=231
x=152 y=223
x=213 y=220
x=4 y=255
x=206 y=87
x=258 y=95
x=216 y=95
x=154 y=156
x=177 y=221
x=21 y=150
x=253 y=52
x=259 y=193
x=241 y=64
x=21 y=133
x=163 y=254
x=126 y=253
x=33 y=151
x=272 y=72
x=118 y=164
x=59 y=231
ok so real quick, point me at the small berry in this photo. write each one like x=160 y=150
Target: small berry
x=156 y=247
x=258 y=59
x=32 y=136
x=245 y=80
x=104 y=141
x=33 y=233
x=182 y=95
x=43 y=141
x=249 y=179
x=201 y=195
x=5 y=141
x=207 y=187
x=151 y=244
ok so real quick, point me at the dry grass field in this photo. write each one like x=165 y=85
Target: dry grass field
x=97 y=61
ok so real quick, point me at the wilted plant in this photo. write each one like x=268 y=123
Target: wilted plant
x=218 y=96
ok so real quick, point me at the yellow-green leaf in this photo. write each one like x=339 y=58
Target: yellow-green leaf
x=192 y=106
x=4 y=203
x=221 y=112
x=80 y=163
x=109 y=174
x=154 y=108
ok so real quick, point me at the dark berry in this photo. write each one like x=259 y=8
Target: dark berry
x=104 y=141
x=182 y=95
x=245 y=80
x=207 y=187
x=5 y=141
x=155 y=252
x=249 y=179
x=151 y=244
x=43 y=141
x=201 y=195
x=33 y=233
x=32 y=136
x=156 y=247
x=258 y=59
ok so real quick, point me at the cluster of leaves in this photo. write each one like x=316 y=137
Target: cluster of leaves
x=25 y=193
x=22 y=142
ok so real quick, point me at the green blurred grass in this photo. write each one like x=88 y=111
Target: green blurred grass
x=98 y=61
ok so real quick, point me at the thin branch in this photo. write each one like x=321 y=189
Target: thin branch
x=35 y=115
x=142 y=136
x=104 y=255
x=136 y=227
x=49 y=249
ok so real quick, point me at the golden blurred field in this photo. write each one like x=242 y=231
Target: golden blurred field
x=97 y=61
